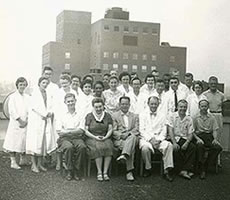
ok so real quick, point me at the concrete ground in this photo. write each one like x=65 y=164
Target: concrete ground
x=23 y=184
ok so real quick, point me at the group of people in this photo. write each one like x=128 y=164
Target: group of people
x=83 y=120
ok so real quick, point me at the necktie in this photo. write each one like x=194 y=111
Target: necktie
x=175 y=100
x=153 y=114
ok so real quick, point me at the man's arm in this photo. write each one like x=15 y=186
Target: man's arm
x=116 y=132
x=135 y=129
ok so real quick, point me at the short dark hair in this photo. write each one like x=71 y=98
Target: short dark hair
x=150 y=76
x=75 y=76
x=20 y=80
x=66 y=73
x=113 y=77
x=107 y=74
x=124 y=97
x=166 y=74
x=69 y=95
x=47 y=68
x=198 y=83
x=154 y=70
x=213 y=78
x=65 y=77
x=98 y=100
x=86 y=81
x=88 y=76
x=41 y=79
x=174 y=78
x=182 y=101
x=136 y=78
x=100 y=83
x=153 y=97
x=205 y=100
x=160 y=80
x=189 y=75
x=122 y=74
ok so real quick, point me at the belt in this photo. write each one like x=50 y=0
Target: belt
x=215 y=111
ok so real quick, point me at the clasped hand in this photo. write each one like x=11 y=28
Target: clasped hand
x=155 y=142
x=100 y=138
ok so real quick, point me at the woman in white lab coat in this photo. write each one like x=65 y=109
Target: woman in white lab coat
x=41 y=135
x=15 y=140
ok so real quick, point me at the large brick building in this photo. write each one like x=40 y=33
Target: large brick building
x=113 y=42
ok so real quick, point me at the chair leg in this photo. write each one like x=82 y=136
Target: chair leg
x=162 y=168
x=141 y=166
x=88 y=167
x=217 y=165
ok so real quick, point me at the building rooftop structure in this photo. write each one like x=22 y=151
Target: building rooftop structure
x=111 y=43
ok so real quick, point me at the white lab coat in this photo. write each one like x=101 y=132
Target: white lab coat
x=40 y=133
x=15 y=140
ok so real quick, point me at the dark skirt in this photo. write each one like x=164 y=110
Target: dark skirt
x=97 y=149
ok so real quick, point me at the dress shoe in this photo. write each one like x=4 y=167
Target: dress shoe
x=202 y=175
x=106 y=177
x=185 y=175
x=168 y=177
x=42 y=168
x=100 y=177
x=69 y=176
x=147 y=173
x=23 y=162
x=191 y=174
x=129 y=176
x=58 y=167
x=35 y=169
x=121 y=159
x=76 y=176
x=14 y=165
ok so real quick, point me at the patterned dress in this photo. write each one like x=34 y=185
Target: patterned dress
x=97 y=148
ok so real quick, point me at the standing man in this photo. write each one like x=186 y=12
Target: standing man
x=135 y=98
x=180 y=129
x=153 y=136
x=181 y=86
x=160 y=93
x=206 y=129
x=52 y=88
x=215 y=99
x=125 y=133
x=174 y=95
x=188 y=80
x=166 y=78
x=70 y=141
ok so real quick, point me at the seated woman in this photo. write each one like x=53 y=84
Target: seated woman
x=98 y=129
x=15 y=140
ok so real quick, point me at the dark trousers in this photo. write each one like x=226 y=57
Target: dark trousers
x=207 y=153
x=74 y=152
x=184 y=159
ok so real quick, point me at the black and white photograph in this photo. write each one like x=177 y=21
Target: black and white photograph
x=114 y=99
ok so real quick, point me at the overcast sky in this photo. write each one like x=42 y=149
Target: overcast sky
x=201 y=26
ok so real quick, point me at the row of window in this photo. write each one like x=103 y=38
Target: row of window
x=125 y=67
x=125 y=56
x=127 y=29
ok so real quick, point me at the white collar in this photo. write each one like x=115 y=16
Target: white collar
x=96 y=116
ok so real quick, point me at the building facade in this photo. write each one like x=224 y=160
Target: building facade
x=71 y=50
x=112 y=43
